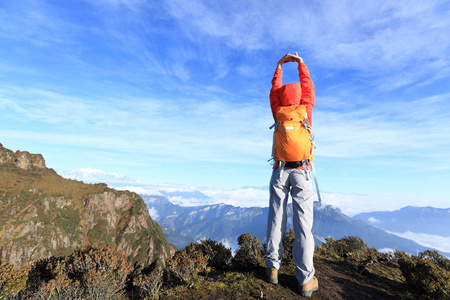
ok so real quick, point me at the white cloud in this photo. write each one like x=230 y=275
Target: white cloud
x=244 y=197
x=192 y=201
x=153 y=213
x=93 y=175
x=387 y=250
x=374 y=38
x=396 y=133
x=352 y=204
x=373 y=220
x=183 y=128
x=433 y=241
x=137 y=189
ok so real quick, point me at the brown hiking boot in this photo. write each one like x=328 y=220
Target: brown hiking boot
x=272 y=275
x=307 y=289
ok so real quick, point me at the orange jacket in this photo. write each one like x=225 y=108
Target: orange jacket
x=292 y=93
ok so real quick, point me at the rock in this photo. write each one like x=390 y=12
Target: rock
x=23 y=159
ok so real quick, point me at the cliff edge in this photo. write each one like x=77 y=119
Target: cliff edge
x=43 y=214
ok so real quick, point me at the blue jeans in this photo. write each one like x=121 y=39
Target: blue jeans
x=298 y=183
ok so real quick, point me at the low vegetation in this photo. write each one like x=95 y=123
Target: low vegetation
x=20 y=181
x=250 y=254
x=206 y=270
x=427 y=274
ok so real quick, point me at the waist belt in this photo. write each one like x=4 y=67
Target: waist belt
x=295 y=164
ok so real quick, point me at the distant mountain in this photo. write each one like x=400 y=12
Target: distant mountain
x=195 y=194
x=225 y=223
x=43 y=214
x=330 y=221
x=428 y=220
x=219 y=222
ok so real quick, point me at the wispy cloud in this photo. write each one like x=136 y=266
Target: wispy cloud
x=373 y=38
x=190 y=128
x=433 y=241
x=218 y=130
x=396 y=129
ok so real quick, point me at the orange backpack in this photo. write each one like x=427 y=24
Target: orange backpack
x=293 y=141
x=292 y=138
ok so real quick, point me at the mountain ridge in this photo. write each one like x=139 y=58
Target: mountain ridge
x=411 y=218
x=203 y=222
x=43 y=214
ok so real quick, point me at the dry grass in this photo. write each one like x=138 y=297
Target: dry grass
x=16 y=180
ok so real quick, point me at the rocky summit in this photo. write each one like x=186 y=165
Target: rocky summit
x=22 y=159
x=43 y=214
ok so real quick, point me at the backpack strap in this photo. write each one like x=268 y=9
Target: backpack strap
x=315 y=179
x=281 y=166
x=275 y=125
x=306 y=124
x=311 y=138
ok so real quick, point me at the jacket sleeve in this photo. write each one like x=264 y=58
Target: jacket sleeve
x=277 y=83
x=308 y=96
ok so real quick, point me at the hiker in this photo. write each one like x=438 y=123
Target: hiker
x=294 y=178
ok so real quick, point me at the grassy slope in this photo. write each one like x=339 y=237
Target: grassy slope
x=16 y=180
x=24 y=196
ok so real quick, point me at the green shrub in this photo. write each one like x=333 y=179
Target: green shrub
x=94 y=273
x=42 y=272
x=12 y=280
x=349 y=248
x=427 y=274
x=150 y=285
x=68 y=219
x=187 y=263
x=98 y=232
x=250 y=254
x=60 y=286
x=436 y=257
x=217 y=254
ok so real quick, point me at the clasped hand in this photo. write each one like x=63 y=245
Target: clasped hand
x=288 y=58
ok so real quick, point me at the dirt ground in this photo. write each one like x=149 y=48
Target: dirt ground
x=337 y=280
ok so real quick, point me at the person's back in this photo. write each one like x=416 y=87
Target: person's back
x=295 y=180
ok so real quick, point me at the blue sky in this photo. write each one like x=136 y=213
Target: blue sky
x=176 y=92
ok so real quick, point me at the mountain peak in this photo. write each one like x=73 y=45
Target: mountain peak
x=22 y=159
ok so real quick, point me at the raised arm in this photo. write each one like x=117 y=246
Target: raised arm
x=277 y=83
x=308 y=96
x=275 y=100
